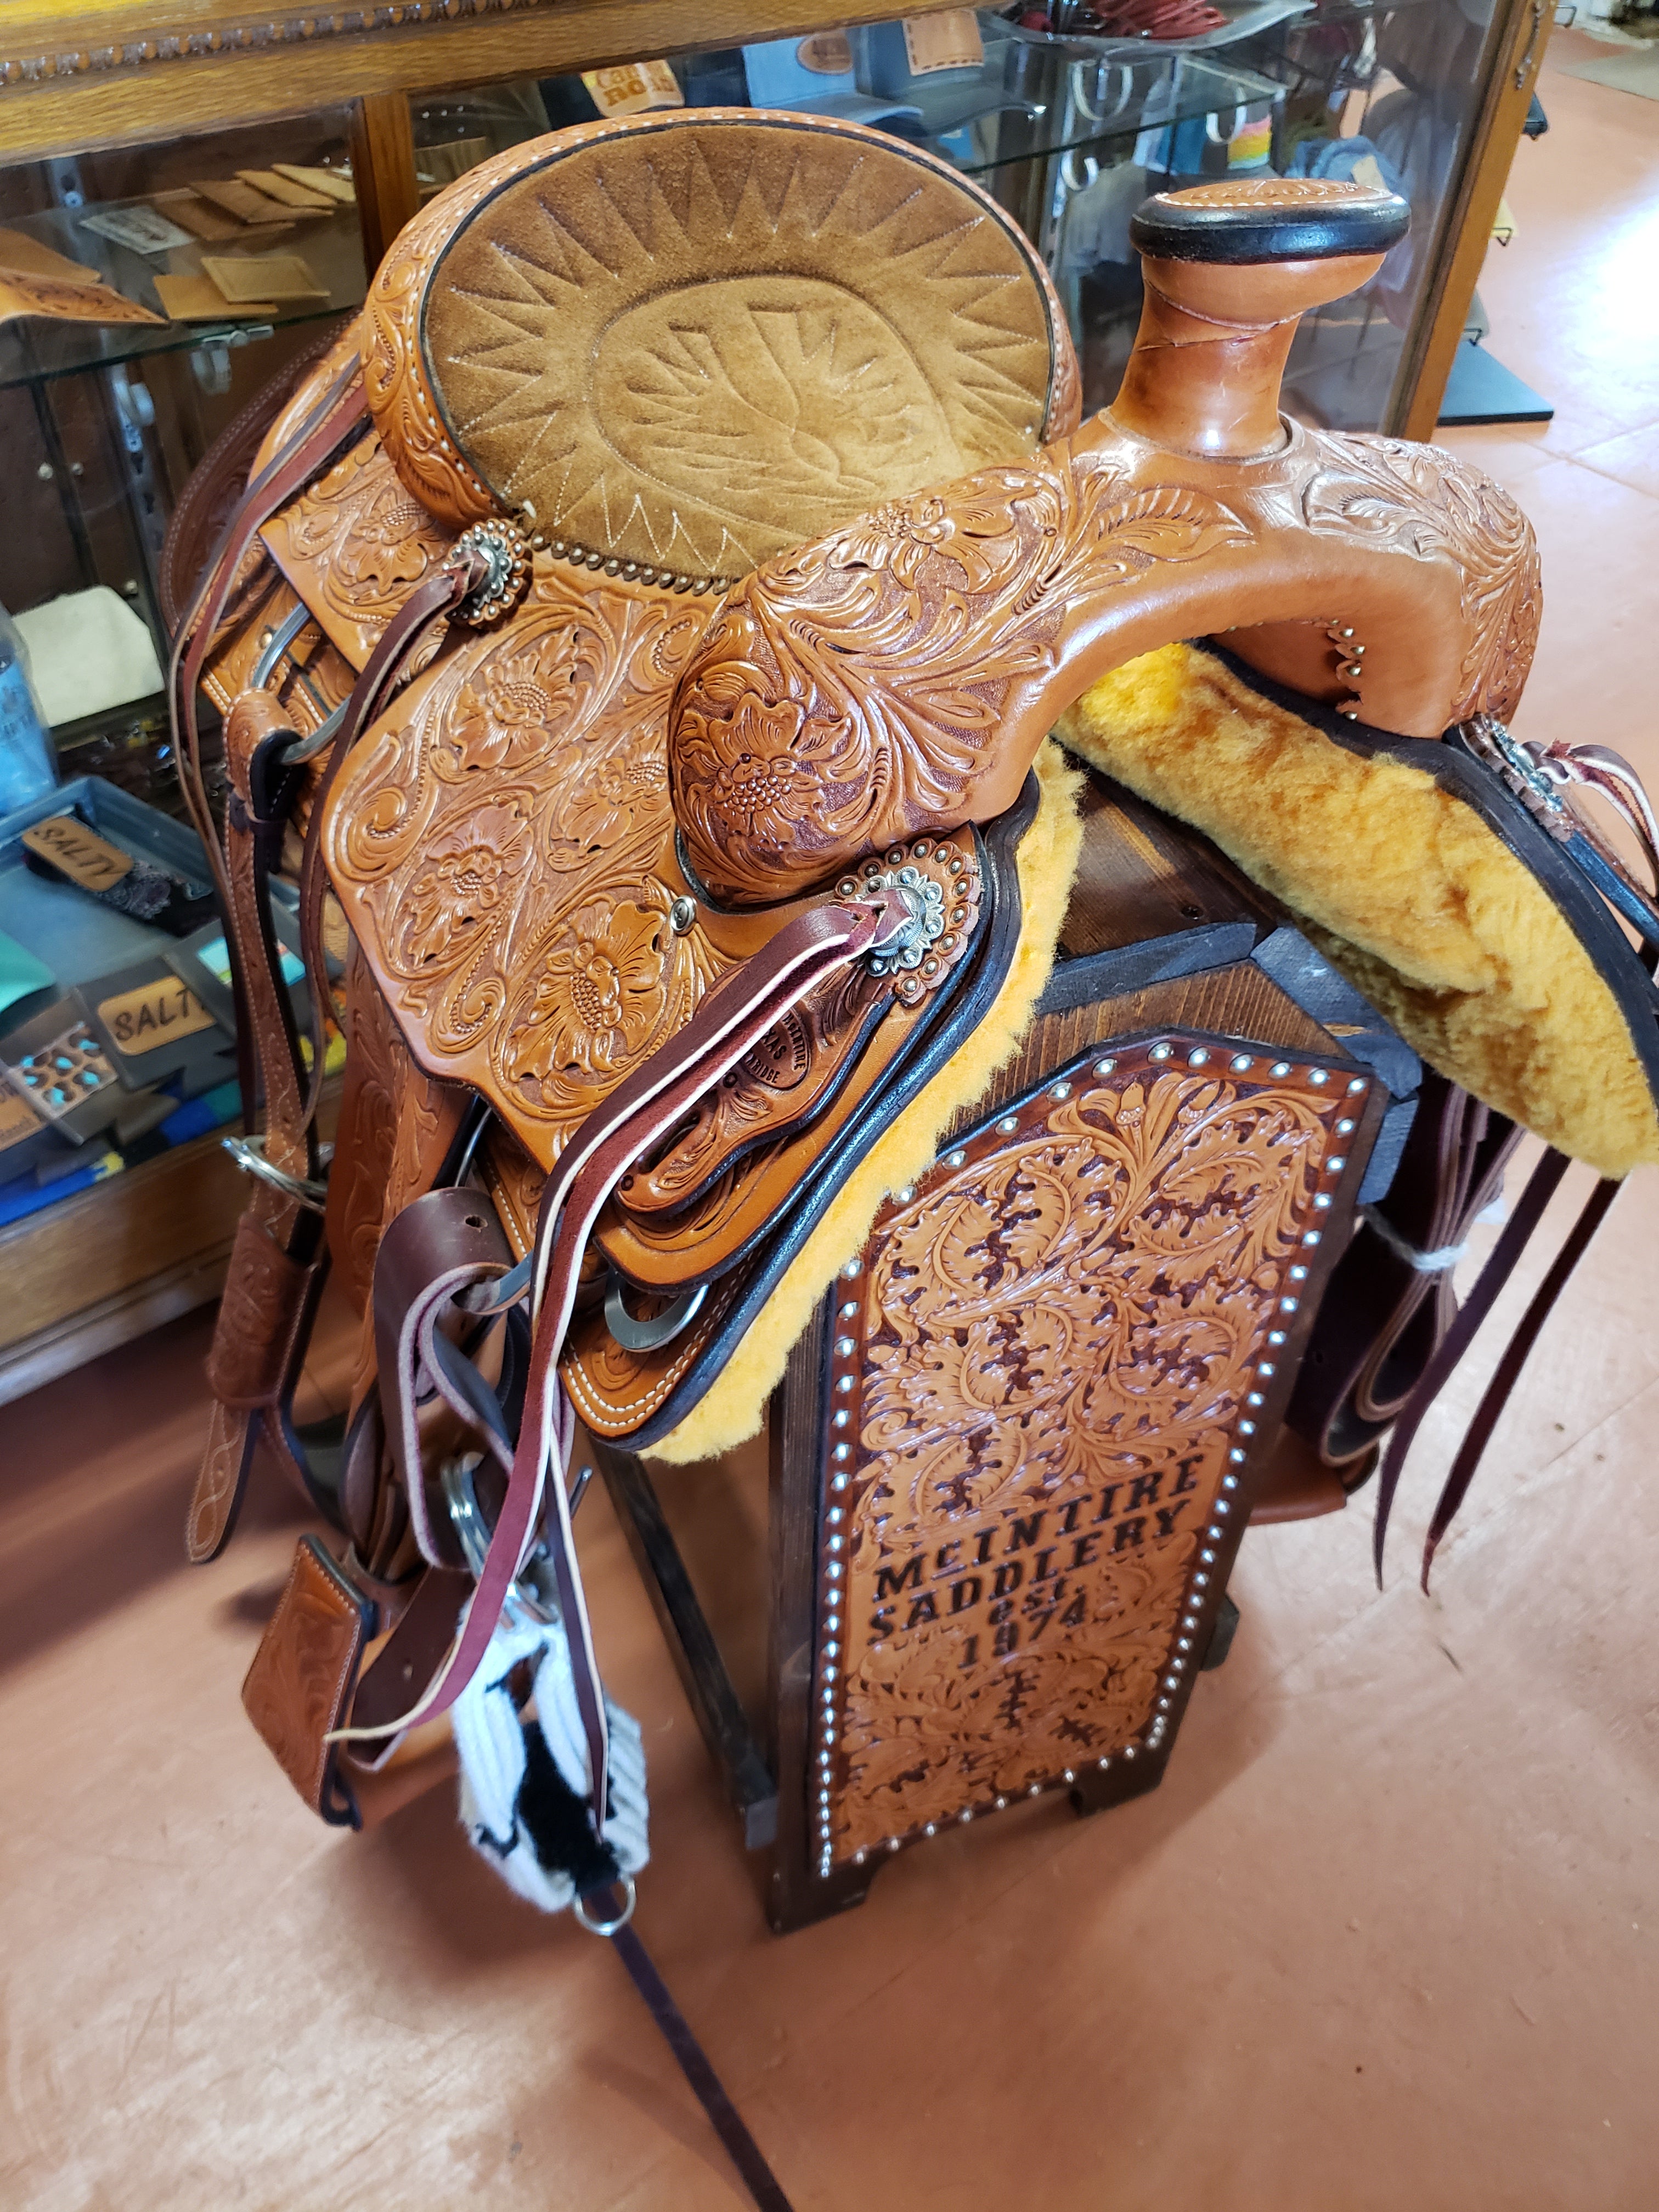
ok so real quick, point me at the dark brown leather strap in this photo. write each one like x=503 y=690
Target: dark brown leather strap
x=337 y=422
x=1391 y=1299
x=1515 y=1353
x=441 y=592
x=339 y=418
x=278 y=1260
x=1528 y=1213
x=727 y=2121
x=408 y=1658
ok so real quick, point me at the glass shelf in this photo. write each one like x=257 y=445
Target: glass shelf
x=1084 y=106
x=36 y=350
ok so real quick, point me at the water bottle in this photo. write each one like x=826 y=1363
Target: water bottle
x=28 y=766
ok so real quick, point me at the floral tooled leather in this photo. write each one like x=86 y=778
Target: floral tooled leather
x=355 y=544
x=898 y=676
x=303 y=1673
x=502 y=844
x=1053 y=1342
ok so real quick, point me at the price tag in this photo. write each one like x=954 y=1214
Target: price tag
x=633 y=86
x=949 y=40
x=78 y=853
x=156 y=1014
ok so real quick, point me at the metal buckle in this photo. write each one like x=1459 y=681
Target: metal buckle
x=1524 y=774
x=531 y=1599
x=277 y=644
x=650 y=1332
x=249 y=1154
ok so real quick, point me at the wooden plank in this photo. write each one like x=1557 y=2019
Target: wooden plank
x=67 y=82
x=1514 y=54
x=383 y=172
x=70 y=1344
x=86 y=1249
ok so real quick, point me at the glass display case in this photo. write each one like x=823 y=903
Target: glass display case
x=186 y=215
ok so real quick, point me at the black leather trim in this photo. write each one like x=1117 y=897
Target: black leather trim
x=959 y=1015
x=1177 y=227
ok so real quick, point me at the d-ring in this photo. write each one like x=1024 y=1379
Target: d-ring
x=608 y=1927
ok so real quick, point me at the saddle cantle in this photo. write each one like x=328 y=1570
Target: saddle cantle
x=654 y=617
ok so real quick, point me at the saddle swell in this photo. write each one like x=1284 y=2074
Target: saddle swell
x=679 y=614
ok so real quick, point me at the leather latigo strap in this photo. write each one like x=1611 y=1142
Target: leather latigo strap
x=1390 y=1301
x=335 y=420
x=278 y=1262
x=652 y=1101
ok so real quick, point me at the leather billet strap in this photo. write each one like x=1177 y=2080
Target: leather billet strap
x=278 y=1260
x=1390 y=1300
x=730 y=1022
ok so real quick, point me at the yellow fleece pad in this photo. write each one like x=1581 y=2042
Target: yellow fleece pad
x=1402 y=887
x=736 y=1404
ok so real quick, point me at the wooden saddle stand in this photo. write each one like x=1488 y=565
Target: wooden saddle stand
x=648 y=622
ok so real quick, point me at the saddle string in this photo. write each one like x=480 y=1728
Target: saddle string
x=1495 y=1397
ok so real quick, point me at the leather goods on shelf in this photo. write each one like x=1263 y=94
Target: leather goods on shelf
x=690 y=553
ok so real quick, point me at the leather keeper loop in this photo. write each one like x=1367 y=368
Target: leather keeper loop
x=304 y=1675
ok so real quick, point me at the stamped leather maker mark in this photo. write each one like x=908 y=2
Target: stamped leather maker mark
x=78 y=853
x=1044 y=1383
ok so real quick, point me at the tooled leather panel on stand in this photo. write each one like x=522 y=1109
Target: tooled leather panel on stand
x=898 y=676
x=1039 y=1375
x=501 y=844
x=739 y=277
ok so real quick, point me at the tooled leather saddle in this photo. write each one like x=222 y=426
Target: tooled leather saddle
x=647 y=624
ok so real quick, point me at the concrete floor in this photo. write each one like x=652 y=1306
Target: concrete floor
x=1382 y=1943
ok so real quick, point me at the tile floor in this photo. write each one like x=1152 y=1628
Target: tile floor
x=1384 y=1942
